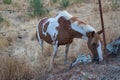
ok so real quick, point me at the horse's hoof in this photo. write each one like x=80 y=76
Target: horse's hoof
x=70 y=67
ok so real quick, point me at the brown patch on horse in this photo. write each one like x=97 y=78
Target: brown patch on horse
x=65 y=33
x=64 y=36
x=46 y=26
x=74 y=19
x=47 y=38
x=43 y=21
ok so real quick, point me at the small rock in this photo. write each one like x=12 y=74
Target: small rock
x=114 y=47
x=85 y=59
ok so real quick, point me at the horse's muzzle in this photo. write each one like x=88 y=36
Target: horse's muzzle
x=96 y=60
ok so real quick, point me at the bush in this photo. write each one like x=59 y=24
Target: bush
x=64 y=3
x=4 y=22
x=37 y=8
x=1 y=19
x=115 y=4
x=78 y=1
x=7 y=1
x=54 y=1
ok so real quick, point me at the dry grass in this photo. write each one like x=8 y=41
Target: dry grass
x=105 y=8
x=16 y=5
x=11 y=68
x=108 y=5
x=3 y=43
x=7 y=39
x=5 y=24
x=12 y=36
x=112 y=34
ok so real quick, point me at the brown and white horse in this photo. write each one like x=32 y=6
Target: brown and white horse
x=62 y=29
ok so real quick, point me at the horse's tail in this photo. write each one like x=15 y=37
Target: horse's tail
x=36 y=37
x=37 y=32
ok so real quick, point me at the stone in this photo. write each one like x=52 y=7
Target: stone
x=113 y=48
x=84 y=59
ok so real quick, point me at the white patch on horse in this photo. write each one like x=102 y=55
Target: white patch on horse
x=99 y=49
x=65 y=14
x=52 y=27
x=82 y=28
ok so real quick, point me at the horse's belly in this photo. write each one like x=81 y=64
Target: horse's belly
x=61 y=40
x=64 y=41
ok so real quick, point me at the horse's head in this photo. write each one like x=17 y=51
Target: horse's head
x=95 y=45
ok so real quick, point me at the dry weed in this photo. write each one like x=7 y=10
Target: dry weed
x=12 y=36
x=3 y=43
x=111 y=34
x=5 y=24
x=7 y=39
x=105 y=8
x=12 y=68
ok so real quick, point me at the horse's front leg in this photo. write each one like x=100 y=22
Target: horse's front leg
x=66 y=53
x=55 y=48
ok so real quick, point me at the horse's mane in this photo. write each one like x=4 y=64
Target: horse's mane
x=65 y=14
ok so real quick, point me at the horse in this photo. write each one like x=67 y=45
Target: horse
x=62 y=29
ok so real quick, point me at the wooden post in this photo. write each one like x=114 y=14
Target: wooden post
x=102 y=24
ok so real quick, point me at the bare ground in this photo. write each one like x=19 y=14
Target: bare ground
x=93 y=71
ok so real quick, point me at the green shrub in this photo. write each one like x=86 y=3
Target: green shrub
x=37 y=8
x=64 y=3
x=115 y=4
x=1 y=19
x=78 y=1
x=54 y=1
x=7 y=1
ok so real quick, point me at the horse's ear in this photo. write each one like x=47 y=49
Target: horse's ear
x=90 y=34
x=99 y=32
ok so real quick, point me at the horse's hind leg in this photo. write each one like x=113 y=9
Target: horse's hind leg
x=66 y=53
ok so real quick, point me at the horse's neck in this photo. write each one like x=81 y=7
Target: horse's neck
x=82 y=28
x=80 y=31
x=79 y=35
x=75 y=34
